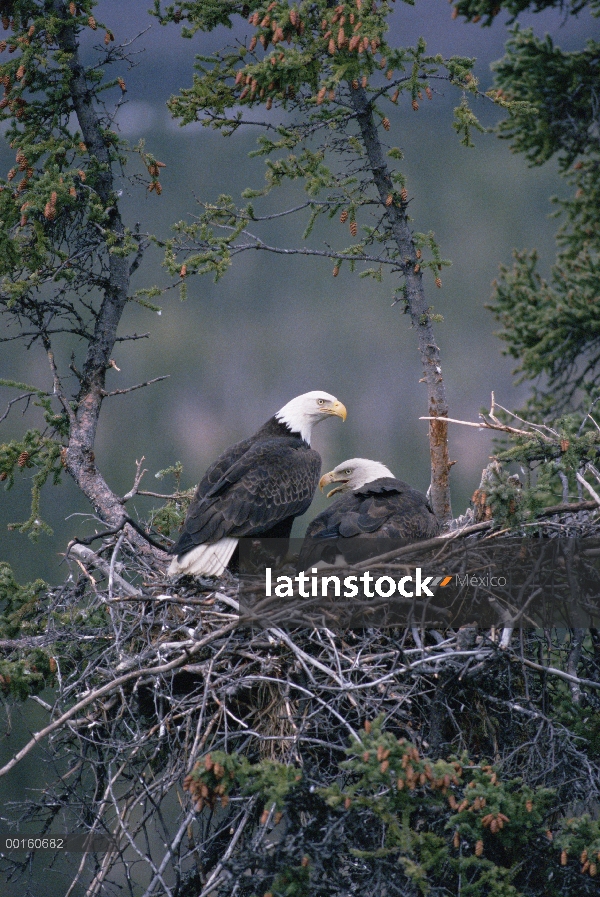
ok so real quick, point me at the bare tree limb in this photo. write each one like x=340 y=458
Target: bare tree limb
x=112 y=686
x=417 y=304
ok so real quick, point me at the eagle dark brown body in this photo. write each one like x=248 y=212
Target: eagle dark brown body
x=383 y=514
x=255 y=488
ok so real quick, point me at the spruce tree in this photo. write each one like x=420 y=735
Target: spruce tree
x=550 y=324
x=66 y=255
x=319 y=79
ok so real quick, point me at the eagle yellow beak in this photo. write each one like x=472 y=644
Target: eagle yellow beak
x=329 y=478
x=338 y=409
x=325 y=480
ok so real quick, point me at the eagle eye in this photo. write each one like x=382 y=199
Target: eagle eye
x=320 y=401
x=348 y=470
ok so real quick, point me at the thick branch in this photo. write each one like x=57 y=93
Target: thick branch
x=80 y=459
x=87 y=556
x=417 y=305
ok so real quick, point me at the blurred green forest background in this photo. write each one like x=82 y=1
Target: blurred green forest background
x=272 y=328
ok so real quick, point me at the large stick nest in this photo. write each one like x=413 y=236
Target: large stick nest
x=153 y=674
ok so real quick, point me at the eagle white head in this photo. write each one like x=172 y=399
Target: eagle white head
x=303 y=412
x=353 y=474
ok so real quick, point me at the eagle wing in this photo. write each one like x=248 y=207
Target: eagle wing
x=272 y=480
x=387 y=512
x=224 y=462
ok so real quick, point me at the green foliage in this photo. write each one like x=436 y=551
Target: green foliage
x=580 y=837
x=199 y=16
x=20 y=604
x=465 y=122
x=568 y=442
x=549 y=325
x=153 y=166
x=582 y=720
x=500 y=496
x=34 y=613
x=171 y=515
x=559 y=90
x=53 y=186
x=32 y=669
x=219 y=773
x=60 y=228
x=475 y=10
x=28 y=675
x=34 y=450
x=555 y=461
x=292 y=881
x=441 y=824
x=272 y=780
x=304 y=59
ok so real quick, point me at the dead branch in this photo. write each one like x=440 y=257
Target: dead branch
x=26 y=396
x=115 y=685
x=87 y=556
x=122 y=392
x=139 y=473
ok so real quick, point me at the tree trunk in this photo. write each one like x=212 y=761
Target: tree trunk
x=417 y=305
x=80 y=459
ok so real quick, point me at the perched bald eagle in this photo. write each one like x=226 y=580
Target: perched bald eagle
x=255 y=488
x=375 y=513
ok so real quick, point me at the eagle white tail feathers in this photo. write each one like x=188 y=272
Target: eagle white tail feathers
x=210 y=559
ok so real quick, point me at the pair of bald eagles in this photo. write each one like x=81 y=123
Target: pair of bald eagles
x=260 y=485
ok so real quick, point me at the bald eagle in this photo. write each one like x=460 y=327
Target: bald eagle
x=375 y=513
x=255 y=488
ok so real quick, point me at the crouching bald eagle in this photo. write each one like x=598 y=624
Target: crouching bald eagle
x=255 y=488
x=375 y=513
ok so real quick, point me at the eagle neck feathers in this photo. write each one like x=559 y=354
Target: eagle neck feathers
x=278 y=427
